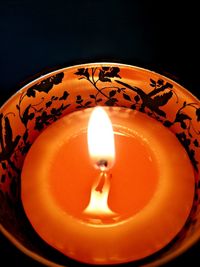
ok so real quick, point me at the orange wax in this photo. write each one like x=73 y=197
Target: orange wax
x=151 y=188
x=131 y=188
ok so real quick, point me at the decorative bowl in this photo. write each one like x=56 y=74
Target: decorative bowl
x=46 y=99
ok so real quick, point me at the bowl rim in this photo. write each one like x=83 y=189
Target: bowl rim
x=158 y=262
x=46 y=262
x=99 y=64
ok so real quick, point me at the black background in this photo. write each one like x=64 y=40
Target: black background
x=39 y=36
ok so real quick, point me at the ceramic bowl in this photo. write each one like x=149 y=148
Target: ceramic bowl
x=46 y=99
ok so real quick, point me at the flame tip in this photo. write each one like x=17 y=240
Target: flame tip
x=101 y=139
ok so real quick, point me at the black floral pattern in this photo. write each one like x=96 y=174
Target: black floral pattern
x=41 y=115
x=45 y=85
x=40 y=105
x=108 y=88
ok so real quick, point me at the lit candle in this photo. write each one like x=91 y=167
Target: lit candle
x=102 y=152
x=143 y=194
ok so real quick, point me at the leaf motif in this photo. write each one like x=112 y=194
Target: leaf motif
x=58 y=111
x=53 y=111
x=183 y=125
x=78 y=97
x=152 y=82
x=183 y=139
x=167 y=123
x=45 y=85
x=180 y=117
x=3 y=178
x=133 y=107
x=87 y=103
x=64 y=96
x=106 y=73
x=137 y=98
x=31 y=92
x=80 y=71
x=83 y=72
x=113 y=72
x=8 y=134
x=159 y=112
x=38 y=125
x=102 y=77
x=25 y=136
x=112 y=93
x=66 y=106
x=160 y=82
x=26 y=148
x=31 y=116
x=196 y=143
x=56 y=79
x=3 y=164
x=190 y=135
x=25 y=116
x=198 y=114
x=15 y=142
x=191 y=154
x=48 y=104
x=161 y=100
x=152 y=85
x=111 y=102
x=1 y=131
x=92 y=96
x=79 y=101
x=9 y=143
x=126 y=97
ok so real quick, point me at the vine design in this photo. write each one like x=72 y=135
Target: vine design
x=185 y=136
x=38 y=107
x=108 y=87
x=40 y=114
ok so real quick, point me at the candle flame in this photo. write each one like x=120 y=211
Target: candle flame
x=98 y=204
x=101 y=139
x=102 y=153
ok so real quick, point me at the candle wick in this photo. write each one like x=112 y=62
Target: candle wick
x=98 y=205
x=102 y=165
x=101 y=182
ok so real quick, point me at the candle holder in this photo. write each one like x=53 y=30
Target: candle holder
x=43 y=101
